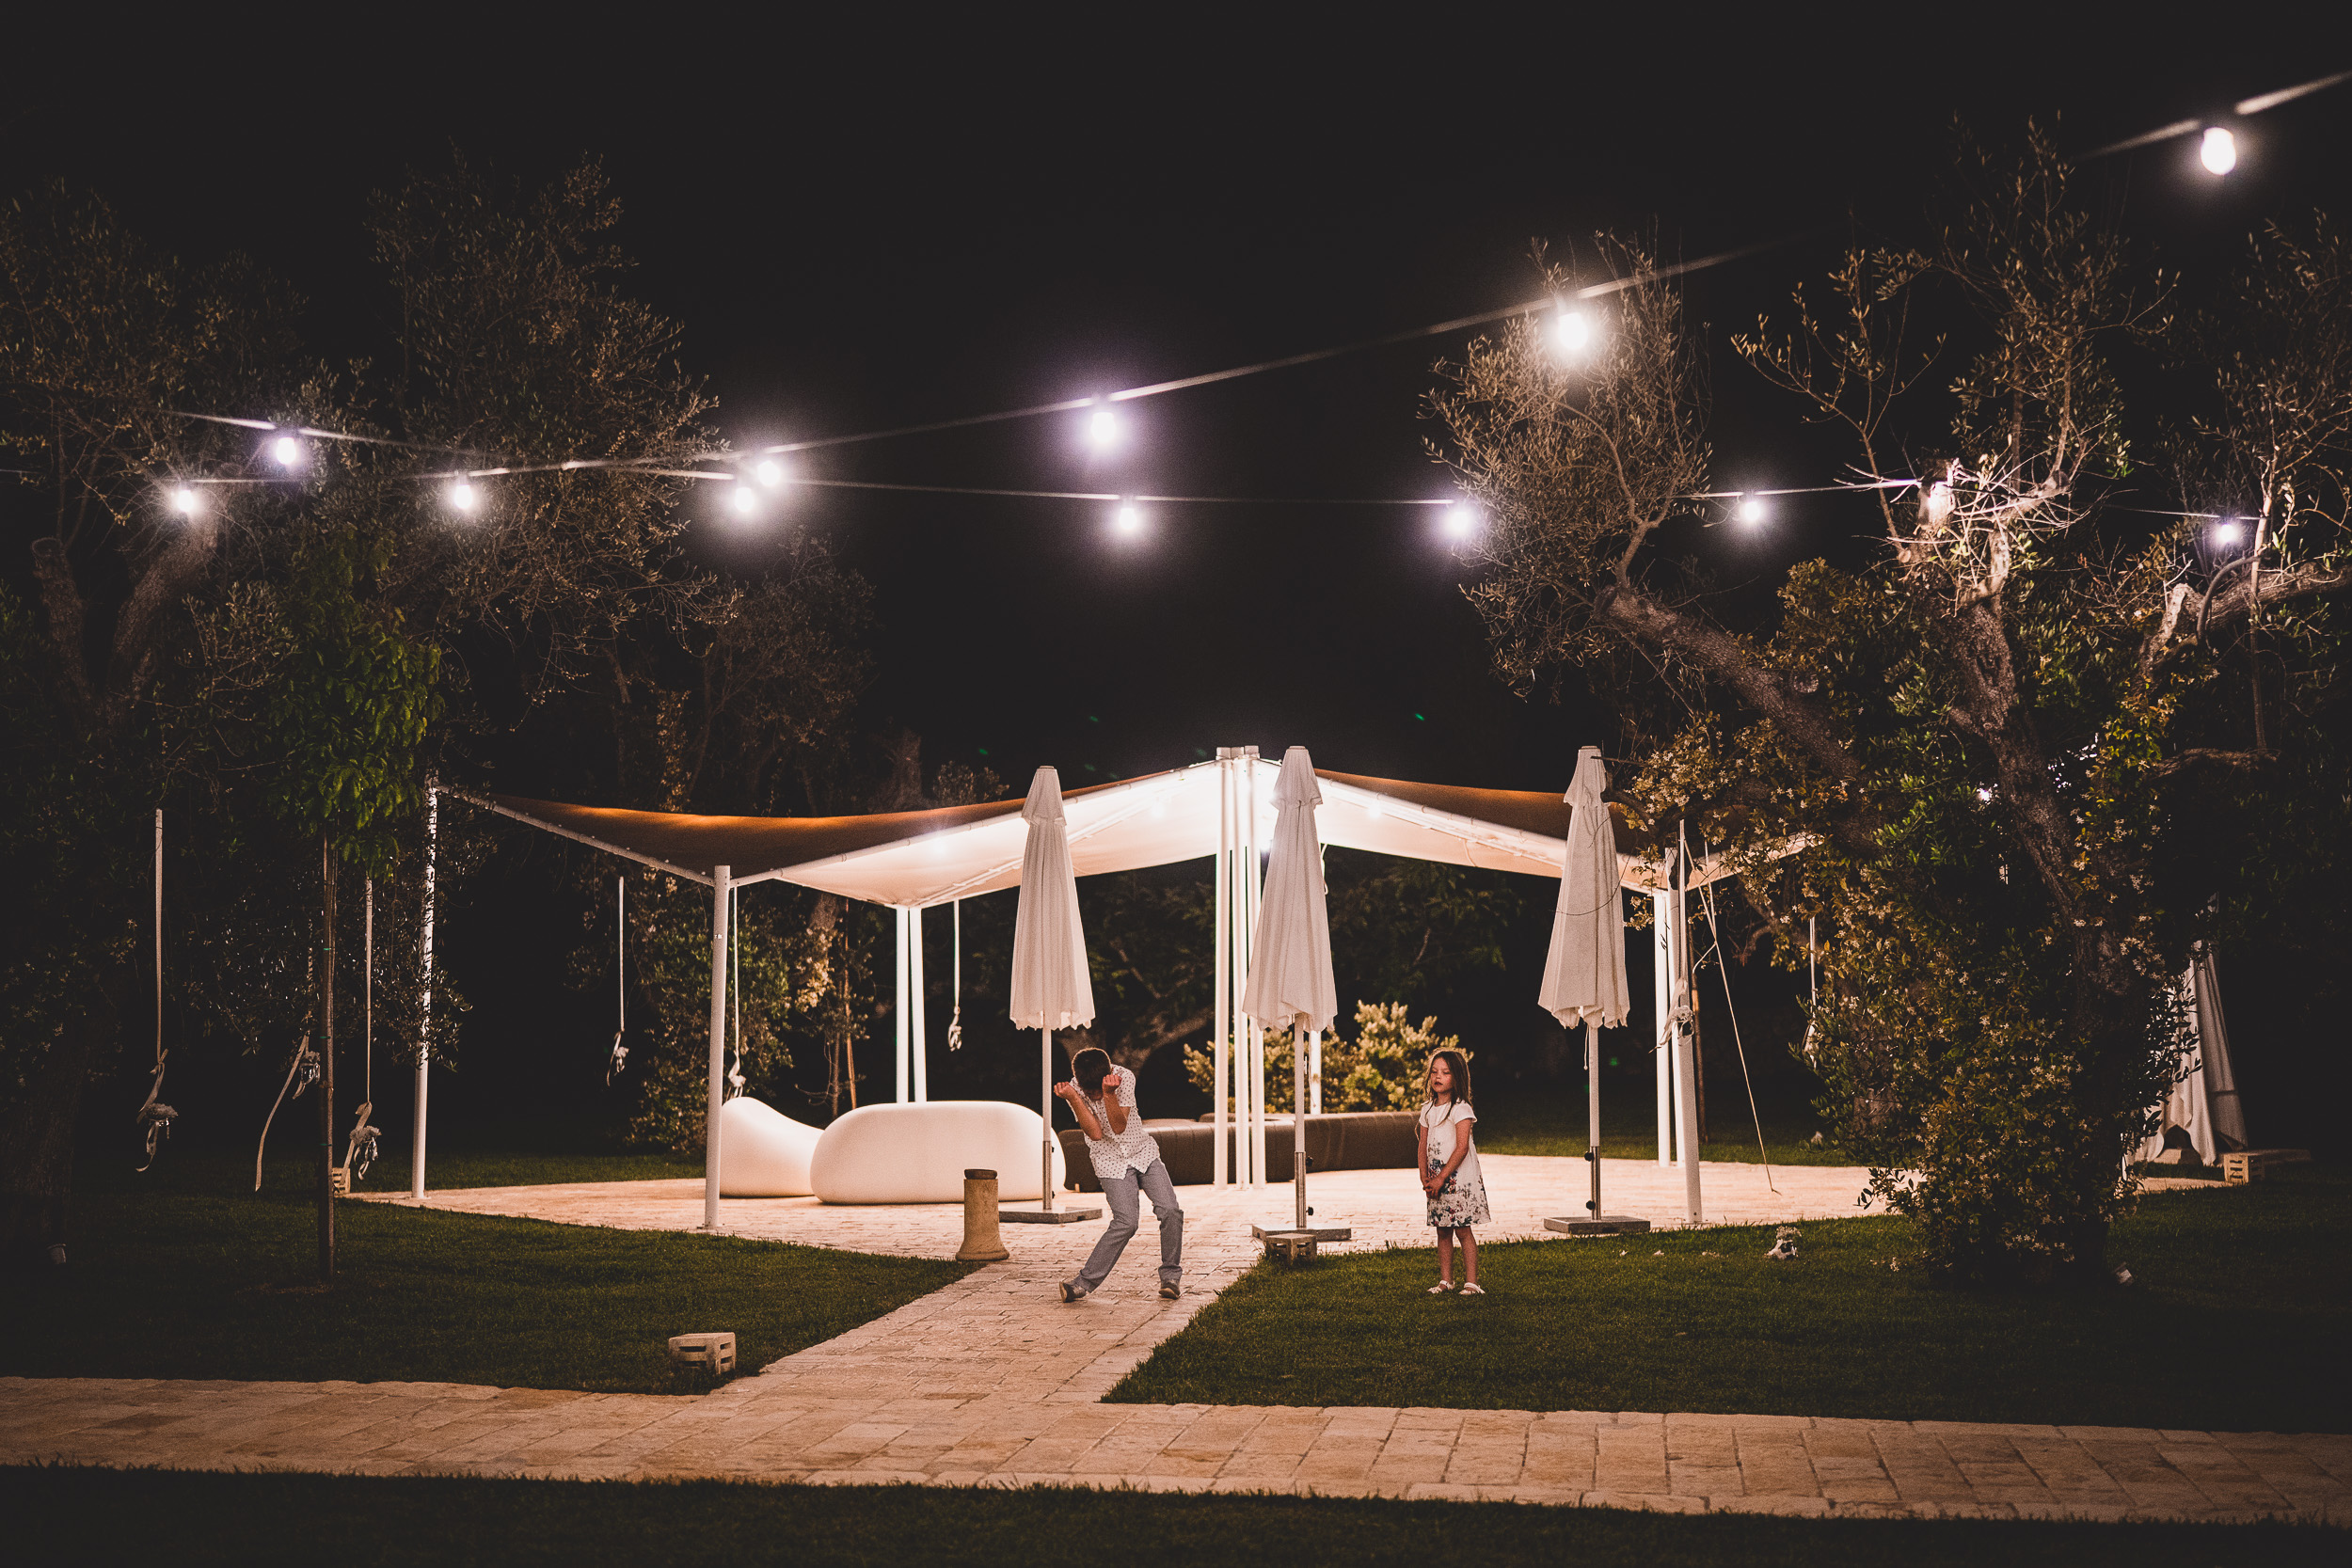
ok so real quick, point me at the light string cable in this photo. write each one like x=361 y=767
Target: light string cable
x=461 y=471
x=2243 y=109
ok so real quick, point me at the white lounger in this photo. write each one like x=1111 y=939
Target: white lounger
x=763 y=1152
x=918 y=1153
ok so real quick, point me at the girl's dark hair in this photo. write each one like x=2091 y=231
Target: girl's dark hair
x=1090 y=1066
x=1460 y=1065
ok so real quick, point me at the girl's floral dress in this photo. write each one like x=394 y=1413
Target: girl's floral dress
x=1461 y=1201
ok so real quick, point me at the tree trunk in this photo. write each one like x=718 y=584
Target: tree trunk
x=327 y=1074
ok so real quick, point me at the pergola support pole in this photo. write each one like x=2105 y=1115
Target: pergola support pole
x=917 y=1024
x=719 y=900
x=1685 y=1043
x=1662 y=1048
x=1220 y=1164
x=899 y=1007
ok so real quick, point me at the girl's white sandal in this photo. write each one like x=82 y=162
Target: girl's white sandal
x=1473 y=1290
x=1440 y=1288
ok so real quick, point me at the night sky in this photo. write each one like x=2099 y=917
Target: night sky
x=860 y=230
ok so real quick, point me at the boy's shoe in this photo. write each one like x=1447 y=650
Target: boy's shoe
x=1168 y=1292
x=1070 y=1292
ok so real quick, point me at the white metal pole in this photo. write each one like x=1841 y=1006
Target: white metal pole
x=1661 y=1044
x=1046 y=1110
x=1685 y=1043
x=1298 y=1125
x=425 y=1028
x=919 y=1020
x=899 y=1009
x=720 y=889
x=1220 y=1044
x=1260 y=1164
x=1591 y=1105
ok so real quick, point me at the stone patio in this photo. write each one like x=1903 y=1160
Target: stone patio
x=991 y=1381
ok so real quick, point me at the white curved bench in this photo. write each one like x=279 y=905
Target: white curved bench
x=918 y=1153
x=763 y=1152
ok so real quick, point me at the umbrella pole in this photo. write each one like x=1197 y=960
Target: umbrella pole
x=1592 y=1106
x=720 y=888
x=1046 y=1110
x=1299 y=1122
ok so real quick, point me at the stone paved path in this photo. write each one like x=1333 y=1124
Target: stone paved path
x=991 y=1381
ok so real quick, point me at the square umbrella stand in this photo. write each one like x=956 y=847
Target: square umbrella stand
x=1593 y=1222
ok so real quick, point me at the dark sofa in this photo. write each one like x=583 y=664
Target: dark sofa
x=1337 y=1140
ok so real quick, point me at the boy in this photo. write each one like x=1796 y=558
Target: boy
x=1127 y=1162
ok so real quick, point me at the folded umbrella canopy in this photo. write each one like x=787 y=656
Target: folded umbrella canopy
x=1051 y=988
x=1290 y=983
x=1584 y=972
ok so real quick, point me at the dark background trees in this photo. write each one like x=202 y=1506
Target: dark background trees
x=868 y=231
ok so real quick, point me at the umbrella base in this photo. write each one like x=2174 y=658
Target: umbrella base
x=1608 y=1224
x=1046 y=1216
x=1293 y=1245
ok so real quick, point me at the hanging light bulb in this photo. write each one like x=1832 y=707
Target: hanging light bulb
x=745 y=500
x=2228 y=532
x=1750 y=510
x=463 y=495
x=1459 y=521
x=1571 y=331
x=186 y=502
x=286 y=451
x=771 y=472
x=1103 y=428
x=2217 y=150
x=1128 y=520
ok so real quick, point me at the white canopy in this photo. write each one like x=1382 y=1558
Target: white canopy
x=1585 y=971
x=1290 y=983
x=2204 y=1103
x=1051 y=988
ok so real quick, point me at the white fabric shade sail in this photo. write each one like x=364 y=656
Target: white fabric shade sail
x=919 y=859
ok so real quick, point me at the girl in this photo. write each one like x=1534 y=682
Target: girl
x=1449 y=1169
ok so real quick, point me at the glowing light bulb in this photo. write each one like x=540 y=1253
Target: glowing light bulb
x=186 y=502
x=1459 y=521
x=1750 y=510
x=1571 y=331
x=1128 y=520
x=1103 y=429
x=771 y=473
x=287 y=452
x=1984 y=795
x=745 y=500
x=2217 y=151
x=463 y=495
x=2228 y=531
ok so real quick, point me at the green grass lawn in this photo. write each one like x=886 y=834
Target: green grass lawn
x=191 y=1277
x=479 y=1169
x=2239 y=1310
x=1552 y=1120
x=89 y=1516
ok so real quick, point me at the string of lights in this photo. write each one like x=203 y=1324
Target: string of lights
x=1572 y=334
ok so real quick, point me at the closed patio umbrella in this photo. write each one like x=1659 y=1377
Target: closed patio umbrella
x=1051 y=988
x=1289 y=972
x=1584 y=972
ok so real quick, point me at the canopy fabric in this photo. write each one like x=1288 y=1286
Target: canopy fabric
x=2204 y=1103
x=1585 y=971
x=1290 y=984
x=1051 y=988
x=917 y=859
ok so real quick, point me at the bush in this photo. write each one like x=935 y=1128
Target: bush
x=1380 y=1071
